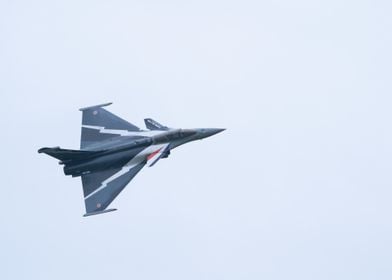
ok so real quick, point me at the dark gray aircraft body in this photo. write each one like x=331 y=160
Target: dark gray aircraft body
x=112 y=151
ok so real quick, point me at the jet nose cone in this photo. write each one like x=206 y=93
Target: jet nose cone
x=207 y=132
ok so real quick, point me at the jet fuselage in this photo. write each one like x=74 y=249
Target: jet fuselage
x=140 y=150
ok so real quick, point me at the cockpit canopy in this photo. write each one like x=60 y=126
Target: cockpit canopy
x=173 y=135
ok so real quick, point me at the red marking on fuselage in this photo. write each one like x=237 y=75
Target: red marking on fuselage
x=150 y=156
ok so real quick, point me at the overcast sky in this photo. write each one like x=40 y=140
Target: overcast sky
x=298 y=187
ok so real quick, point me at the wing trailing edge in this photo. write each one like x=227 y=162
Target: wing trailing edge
x=66 y=155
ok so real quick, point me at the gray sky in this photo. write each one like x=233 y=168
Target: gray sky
x=298 y=187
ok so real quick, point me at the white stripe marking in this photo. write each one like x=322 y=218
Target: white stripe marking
x=105 y=183
x=122 y=132
x=138 y=159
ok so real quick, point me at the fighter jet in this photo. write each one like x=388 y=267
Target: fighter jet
x=112 y=151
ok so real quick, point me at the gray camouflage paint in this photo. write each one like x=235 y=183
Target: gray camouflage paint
x=113 y=151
